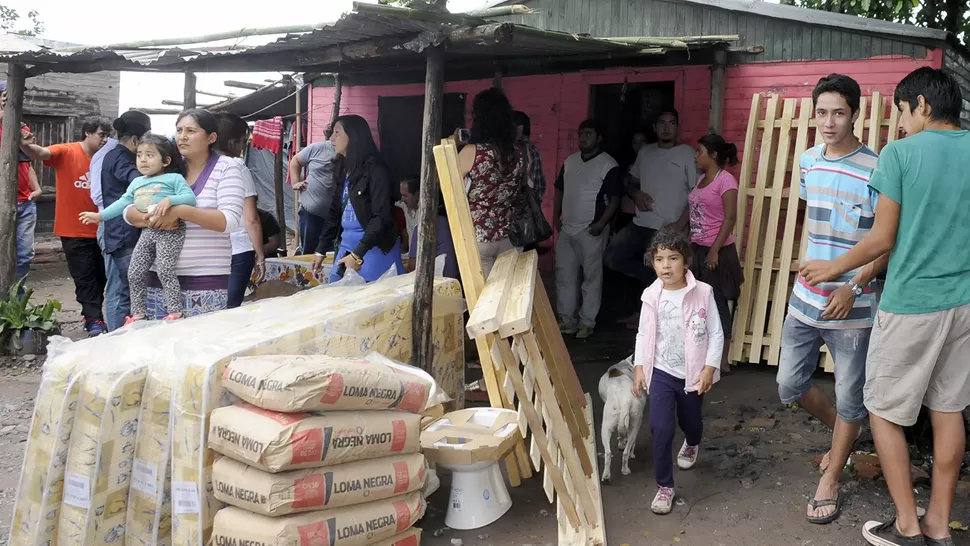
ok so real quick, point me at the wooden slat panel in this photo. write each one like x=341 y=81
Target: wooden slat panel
x=487 y=314
x=875 y=121
x=597 y=535
x=518 y=311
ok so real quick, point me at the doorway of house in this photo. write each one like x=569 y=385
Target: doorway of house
x=622 y=109
x=400 y=121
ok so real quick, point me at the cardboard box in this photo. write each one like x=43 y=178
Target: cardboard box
x=470 y=436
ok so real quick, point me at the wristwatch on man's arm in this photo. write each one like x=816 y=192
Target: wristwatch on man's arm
x=855 y=287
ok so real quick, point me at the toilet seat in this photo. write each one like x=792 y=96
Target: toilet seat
x=470 y=443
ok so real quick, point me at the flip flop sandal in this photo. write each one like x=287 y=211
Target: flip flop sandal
x=816 y=504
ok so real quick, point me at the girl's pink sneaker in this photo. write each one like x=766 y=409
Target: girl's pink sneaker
x=173 y=316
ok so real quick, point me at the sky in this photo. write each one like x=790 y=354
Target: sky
x=114 y=21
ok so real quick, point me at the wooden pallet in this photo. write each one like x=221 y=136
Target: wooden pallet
x=515 y=331
x=779 y=131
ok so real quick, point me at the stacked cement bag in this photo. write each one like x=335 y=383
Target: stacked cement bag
x=321 y=449
x=125 y=416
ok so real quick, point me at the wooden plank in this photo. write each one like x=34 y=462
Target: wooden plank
x=893 y=132
x=860 y=122
x=498 y=348
x=573 y=416
x=754 y=231
x=597 y=535
x=486 y=316
x=518 y=312
x=875 y=122
x=783 y=279
x=552 y=345
x=571 y=455
x=9 y=153
x=473 y=281
x=759 y=322
x=750 y=144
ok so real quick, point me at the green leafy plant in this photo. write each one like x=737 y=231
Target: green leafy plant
x=18 y=314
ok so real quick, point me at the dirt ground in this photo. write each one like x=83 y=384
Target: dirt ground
x=749 y=487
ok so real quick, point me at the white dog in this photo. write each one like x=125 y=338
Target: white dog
x=622 y=413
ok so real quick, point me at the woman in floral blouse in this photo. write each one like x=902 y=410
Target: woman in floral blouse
x=493 y=165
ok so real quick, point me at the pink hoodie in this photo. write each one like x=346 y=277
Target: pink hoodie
x=695 y=330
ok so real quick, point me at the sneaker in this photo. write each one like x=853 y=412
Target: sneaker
x=584 y=332
x=173 y=316
x=133 y=319
x=886 y=534
x=687 y=457
x=663 y=502
x=567 y=329
x=95 y=327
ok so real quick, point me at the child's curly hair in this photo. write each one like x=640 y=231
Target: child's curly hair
x=671 y=239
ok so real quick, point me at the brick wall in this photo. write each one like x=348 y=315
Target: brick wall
x=556 y=104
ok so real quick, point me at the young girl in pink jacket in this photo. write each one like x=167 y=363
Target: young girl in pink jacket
x=677 y=358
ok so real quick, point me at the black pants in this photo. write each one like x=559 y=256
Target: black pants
x=86 y=265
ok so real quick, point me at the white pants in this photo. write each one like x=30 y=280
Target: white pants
x=490 y=251
x=579 y=256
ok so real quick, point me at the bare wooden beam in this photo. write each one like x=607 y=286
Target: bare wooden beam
x=169 y=102
x=502 y=11
x=297 y=145
x=203 y=38
x=217 y=95
x=9 y=151
x=158 y=111
x=243 y=85
x=278 y=190
x=715 y=119
x=189 y=101
x=337 y=92
x=434 y=86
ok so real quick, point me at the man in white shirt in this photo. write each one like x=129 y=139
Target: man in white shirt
x=660 y=179
x=588 y=192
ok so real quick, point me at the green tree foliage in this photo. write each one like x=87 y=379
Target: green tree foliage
x=9 y=19
x=949 y=15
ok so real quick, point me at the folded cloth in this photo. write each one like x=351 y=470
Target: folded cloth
x=267 y=133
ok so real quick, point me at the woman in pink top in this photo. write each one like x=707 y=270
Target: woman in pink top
x=711 y=213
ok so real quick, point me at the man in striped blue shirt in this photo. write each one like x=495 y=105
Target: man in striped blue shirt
x=839 y=213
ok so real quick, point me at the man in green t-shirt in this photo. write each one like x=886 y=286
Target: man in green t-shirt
x=919 y=352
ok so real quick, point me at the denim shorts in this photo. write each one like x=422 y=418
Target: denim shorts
x=800 y=346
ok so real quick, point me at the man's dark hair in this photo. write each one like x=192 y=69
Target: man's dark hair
x=521 y=119
x=672 y=239
x=672 y=111
x=414 y=184
x=938 y=89
x=592 y=124
x=845 y=86
x=91 y=125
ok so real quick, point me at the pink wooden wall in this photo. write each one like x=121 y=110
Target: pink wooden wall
x=558 y=103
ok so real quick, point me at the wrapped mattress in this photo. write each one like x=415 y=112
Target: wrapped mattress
x=358 y=525
x=316 y=489
x=98 y=472
x=38 y=500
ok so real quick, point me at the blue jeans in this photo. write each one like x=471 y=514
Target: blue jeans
x=625 y=253
x=117 y=296
x=312 y=229
x=800 y=345
x=239 y=275
x=26 y=221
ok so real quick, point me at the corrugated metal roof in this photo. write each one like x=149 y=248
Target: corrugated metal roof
x=363 y=38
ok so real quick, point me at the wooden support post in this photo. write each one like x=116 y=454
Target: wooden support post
x=716 y=121
x=9 y=151
x=188 y=101
x=434 y=86
x=497 y=79
x=280 y=203
x=337 y=92
x=298 y=143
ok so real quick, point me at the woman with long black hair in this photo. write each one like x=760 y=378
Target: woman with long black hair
x=493 y=164
x=369 y=241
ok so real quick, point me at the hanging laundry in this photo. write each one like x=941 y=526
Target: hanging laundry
x=266 y=134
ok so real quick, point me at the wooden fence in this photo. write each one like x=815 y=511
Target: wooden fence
x=772 y=241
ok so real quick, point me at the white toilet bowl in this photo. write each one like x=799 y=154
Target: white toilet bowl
x=470 y=443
